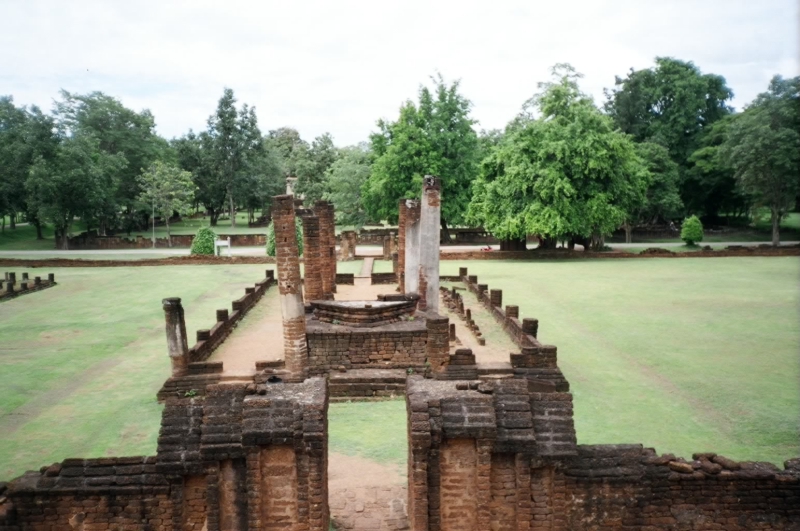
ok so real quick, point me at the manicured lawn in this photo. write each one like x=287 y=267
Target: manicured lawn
x=80 y=363
x=353 y=266
x=372 y=430
x=684 y=355
x=382 y=266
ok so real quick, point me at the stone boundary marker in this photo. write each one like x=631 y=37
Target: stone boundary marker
x=11 y=287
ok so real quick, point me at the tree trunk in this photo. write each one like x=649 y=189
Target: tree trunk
x=518 y=244
x=38 y=225
x=12 y=221
x=169 y=237
x=444 y=236
x=776 y=228
x=233 y=211
x=213 y=215
x=628 y=231
x=547 y=243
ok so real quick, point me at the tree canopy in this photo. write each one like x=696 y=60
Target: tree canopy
x=673 y=104
x=345 y=179
x=763 y=147
x=432 y=137
x=562 y=170
x=167 y=189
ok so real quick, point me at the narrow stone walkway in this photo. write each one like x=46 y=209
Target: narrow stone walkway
x=366 y=267
x=258 y=337
x=498 y=346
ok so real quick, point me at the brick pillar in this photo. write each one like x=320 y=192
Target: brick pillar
x=496 y=297
x=295 y=349
x=411 y=261
x=387 y=247
x=462 y=272
x=512 y=311
x=401 y=246
x=327 y=239
x=222 y=315
x=312 y=284
x=177 y=345
x=429 y=220
x=530 y=326
x=437 y=348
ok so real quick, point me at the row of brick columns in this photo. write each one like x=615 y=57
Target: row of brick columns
x=327 y=245
x=290 y=288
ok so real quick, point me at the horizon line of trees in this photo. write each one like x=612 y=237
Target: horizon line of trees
x=665 y=144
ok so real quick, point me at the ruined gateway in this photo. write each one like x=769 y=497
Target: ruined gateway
x=487 y=448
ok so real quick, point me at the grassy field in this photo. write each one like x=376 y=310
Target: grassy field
x=81 y=362
x=382 y=266
x=372 y=430
x=353 y=266
x=679 y=354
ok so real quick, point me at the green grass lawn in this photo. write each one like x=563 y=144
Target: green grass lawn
x=353 y=266
x=682 y=355
x=81 y=362
x=382 y=266
x=372 y=430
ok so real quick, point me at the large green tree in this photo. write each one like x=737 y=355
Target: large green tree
x=118 y=130
x=25 y=134
x=236 y=145
x=167 y=189
x=672 y=104
x=435 y=137
x=561 y=171
x=763 y=147
x=311 y=168
x=74 y=182
x=345 y=178
x=194 y=153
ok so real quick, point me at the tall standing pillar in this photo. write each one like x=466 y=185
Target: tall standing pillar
x=312 y=282
x=401 y=246
x=412 y=246
x=429 y=219
x=327 y=237
x=295 y=349
x=177 y=344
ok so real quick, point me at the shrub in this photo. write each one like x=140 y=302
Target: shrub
x=692 y=231
x=298 y=226
x=203 y=242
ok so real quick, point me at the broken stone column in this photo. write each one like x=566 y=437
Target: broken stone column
x=327 y=238
x=347 y=246
x=401 y=246
x=312 y=283
x=429 y=219
x=295 y=349
x=177 y=345
x=412 y=246
x=387 y=247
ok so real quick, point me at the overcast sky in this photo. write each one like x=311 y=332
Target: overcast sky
x=339 y=65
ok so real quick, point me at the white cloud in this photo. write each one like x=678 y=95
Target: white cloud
x=339 y=66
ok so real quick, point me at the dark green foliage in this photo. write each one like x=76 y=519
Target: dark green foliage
x=312 y=166
x=763 y=147
x=567 y=173
x=434 y=137
x=203 y=242
x=345 y=179
x=692 y=230
x=673 y=104
x=663 y=199
x=298 y=225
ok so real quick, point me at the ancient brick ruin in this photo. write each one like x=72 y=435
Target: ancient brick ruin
x=488 y=447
